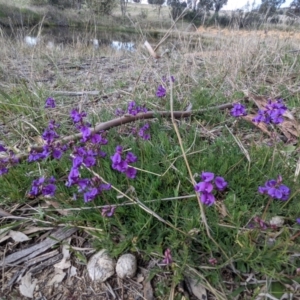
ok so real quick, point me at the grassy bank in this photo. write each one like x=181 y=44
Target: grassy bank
x=232 y=247
x=21 y=13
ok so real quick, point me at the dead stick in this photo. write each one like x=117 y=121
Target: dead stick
x=128 y=119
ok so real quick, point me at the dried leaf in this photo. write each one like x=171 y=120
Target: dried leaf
x=57 y=206
x=261 y=126
x=58 y=277
x=148 y=290
x=73 y=271
x=18 y=236
x=65 y=262
x=222 y=209
x=33 y=229
x=27 y=286
x=197 y=288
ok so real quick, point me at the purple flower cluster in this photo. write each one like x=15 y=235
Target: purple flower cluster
x=161 y=91
x=167 y=257
x=238 y=110
x=275 y=189
x=132 y=109
x=50 y=103
x=259 y=223
x=8 y=161
x=42 y=186
x=273 y=113
x=142 y=132
x=122 y=165
x=90 y=188
x=50 y=147
x=206 y=187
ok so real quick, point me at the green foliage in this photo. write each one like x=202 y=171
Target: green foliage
x=156 y=2
x=215 y=5
x=269 y=7
x=103 y=6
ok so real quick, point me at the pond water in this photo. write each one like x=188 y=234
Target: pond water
x=59 y=36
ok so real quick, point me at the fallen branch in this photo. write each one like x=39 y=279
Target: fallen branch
x=67 y=93
x=129 y=119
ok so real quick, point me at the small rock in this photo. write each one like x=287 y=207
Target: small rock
x=101 y=266
x=277 y=221
x=126 y=266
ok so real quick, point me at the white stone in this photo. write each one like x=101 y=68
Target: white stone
x=101 y=266
x=126 y=266
x=277 y=221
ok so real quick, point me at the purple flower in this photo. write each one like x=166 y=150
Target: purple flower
x=7 y=161
x=131 y=172
x=50 y=103
x=108 y=211
x=49 y=190
x=133 y=109
x=298 y=220
x=2 y=148
x=142 y=134
x=116 y=159
x=207 y=198
x=73 y=176
x=43 y=186
x=104 y=187
x=76 y=116
x=90 y=195
x=86 y=133
x=275 y=189
x=119 y=112
x=167 y=257
x=207 y=176
x=89 y=161
x=57 y=153
x=204 y=187
x=161 y=91
x=213 y=261
x=238 y=110
x=220 y=183
x=273 y=113
x=3 y=170
x=97 y=139
x=121 y=165
x=131 y=158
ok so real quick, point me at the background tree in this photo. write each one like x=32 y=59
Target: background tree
x=215 y=5
x=103 y=6
x=177 y=8
x=269 y=7
x=157 y=2
x=294 y=9
x=123 y=5
x=137 y=1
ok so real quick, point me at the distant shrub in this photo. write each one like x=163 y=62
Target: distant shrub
x=103 y=6
x=251 y=19
x=274 y=20
x=39 y=2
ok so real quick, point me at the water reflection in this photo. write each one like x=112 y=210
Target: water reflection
x=129 y=46
x=52 y=37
